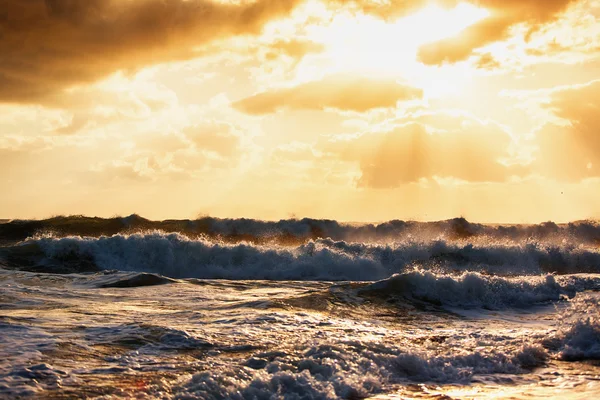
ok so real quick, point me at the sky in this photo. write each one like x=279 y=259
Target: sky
x=357 y=110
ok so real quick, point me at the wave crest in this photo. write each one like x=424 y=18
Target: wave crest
x=178 y=256
x=470 y=289
x=578 y=337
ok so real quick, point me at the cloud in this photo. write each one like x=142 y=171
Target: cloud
x=120 y=171
x=50 y=45
x=203 y=147
x=207 y=146
x=200 y=150
x=215 y=137
x=387 y=9
x=487 y=61
x=503 y=15
x=293 y=48
x=339 y=92
x=415 y=151
x=30 y=162
x=571 y=152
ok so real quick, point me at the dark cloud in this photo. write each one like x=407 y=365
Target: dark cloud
x=46 y=46
x=339 y=92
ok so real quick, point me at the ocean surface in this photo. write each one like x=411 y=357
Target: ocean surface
x=298 y=309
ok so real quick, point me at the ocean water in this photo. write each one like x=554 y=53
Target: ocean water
x=298 y=309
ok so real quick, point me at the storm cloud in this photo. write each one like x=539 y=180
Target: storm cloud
x=47 y=46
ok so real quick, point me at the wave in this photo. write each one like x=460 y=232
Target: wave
x=360 y=369
x=296 y=231
x=136 y=335
x=132 y=280
x=468 y=290
x=178 y=256
x=578 y=337
x=581 y=341
x=353 y=370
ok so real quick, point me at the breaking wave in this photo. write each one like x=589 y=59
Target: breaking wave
x=469 y=289
x=354 y=370
x=579 y=336
x=178 y=256
x=359 y=369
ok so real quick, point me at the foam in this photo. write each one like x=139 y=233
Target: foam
x=470 y=289
x=178 y=256
x=352 y=370
x=578 y=337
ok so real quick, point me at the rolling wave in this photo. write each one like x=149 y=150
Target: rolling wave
x=578 y=337
x=178 y=256
x=474 y=290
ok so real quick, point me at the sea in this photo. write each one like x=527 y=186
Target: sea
x=125 y=307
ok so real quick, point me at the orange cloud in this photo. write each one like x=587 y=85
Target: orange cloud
x=504 y=15
x=293 y=48
x=206 y=146
x=49 y=45
x=487 y=61
x=410 y=153
x=572 y=152
x=215 y=137
x=339 y=92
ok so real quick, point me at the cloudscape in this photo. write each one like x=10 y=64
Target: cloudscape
x=354 y=110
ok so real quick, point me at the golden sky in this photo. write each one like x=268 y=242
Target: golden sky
x=358 y=110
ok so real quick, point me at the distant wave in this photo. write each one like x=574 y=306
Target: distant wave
x=297 y=231
x=177 y=256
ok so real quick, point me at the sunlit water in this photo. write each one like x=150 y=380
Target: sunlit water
x=456 y=329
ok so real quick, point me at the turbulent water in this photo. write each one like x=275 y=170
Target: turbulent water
x=298 y=309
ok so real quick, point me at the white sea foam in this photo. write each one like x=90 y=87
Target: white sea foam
x=214 y=339
x=176 y=255
x=578 y=337
x=354 y=370
x=470 y=289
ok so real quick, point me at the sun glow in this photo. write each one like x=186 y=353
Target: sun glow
x=367 y=44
